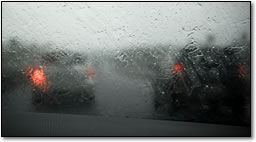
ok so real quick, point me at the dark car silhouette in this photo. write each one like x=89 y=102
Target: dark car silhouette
x=207 y=84
x=57 y=80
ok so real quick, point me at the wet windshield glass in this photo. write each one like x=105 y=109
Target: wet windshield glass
x=168 y=61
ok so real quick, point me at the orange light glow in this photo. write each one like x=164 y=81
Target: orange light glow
x=38 y=78
x=90 y=70
x=177 y=68
x=90 y=73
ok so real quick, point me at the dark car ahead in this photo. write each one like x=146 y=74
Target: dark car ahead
x=57 y=81
x=208 y=84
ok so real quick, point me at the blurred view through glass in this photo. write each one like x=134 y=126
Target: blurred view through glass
x=166 y=60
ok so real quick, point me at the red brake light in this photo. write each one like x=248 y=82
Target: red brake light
x=38 y=78
x=241 y=71
x=90 y=73
x=177 y=68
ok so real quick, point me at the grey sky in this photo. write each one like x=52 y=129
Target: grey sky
x=117 y=25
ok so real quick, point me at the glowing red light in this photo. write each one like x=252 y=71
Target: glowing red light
x=241 y=71
x=90 y=70
x=177 y=68
x=90 y=73
x=38 y=78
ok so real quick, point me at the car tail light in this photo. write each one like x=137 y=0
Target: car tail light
x=38 y=78
x=177 y=68
x=241 y=71
x=90 y=73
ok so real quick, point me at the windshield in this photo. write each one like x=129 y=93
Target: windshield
x=187 y=61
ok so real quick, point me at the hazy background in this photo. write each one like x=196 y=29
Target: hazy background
x=111 y=25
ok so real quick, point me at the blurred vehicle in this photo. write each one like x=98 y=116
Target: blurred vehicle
x=60 y=80
x=208 y=84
